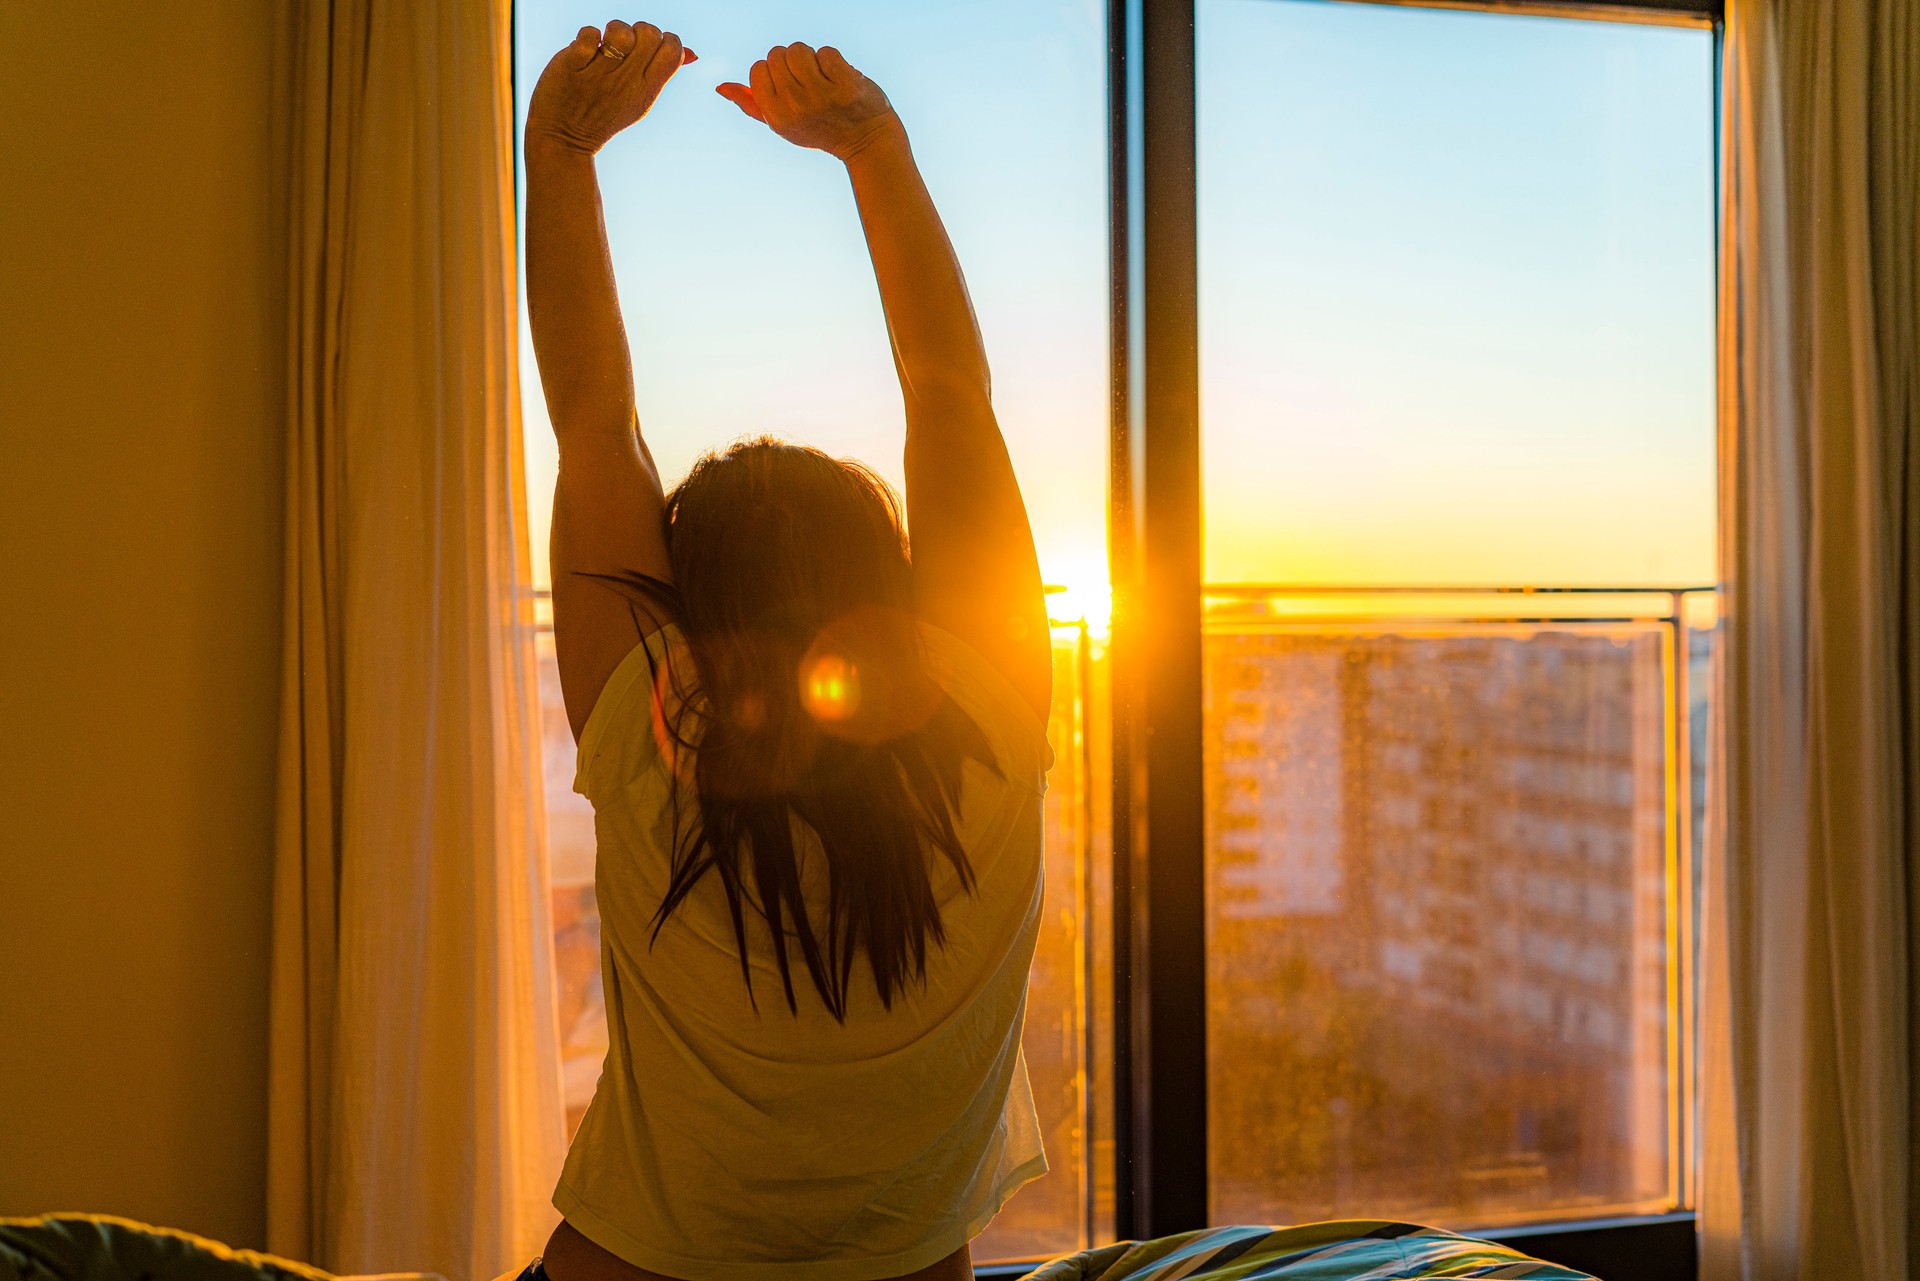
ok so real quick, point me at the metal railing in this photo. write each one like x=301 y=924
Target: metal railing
x=1680 y=612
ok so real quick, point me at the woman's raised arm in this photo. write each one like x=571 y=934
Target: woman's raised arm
x=975 y=571
x=608 y=508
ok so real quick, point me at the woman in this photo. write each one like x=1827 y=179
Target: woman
x=816 y=760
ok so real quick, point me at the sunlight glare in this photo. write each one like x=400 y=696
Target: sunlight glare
x=1082 y=595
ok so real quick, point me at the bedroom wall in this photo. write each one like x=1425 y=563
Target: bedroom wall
x=140 y=419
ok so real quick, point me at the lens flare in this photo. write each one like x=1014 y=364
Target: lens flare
x=830 y=687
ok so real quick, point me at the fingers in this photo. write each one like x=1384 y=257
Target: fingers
x=636 y=44
x=616 y=46
x=647 y=39
x=581 y=52
x=760 y=77
x=742 y=97
x=835 y=67
x=666 y=57
x=785 y=82
x=805 y=67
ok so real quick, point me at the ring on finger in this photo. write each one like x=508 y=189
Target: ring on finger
x=618 y=55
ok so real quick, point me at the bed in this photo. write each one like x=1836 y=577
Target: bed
x=1342 y=1250
x=91 y=1247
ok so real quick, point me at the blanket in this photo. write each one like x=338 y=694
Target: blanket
x=101 y=1247
x=1343 y=1250
x=97 y=1247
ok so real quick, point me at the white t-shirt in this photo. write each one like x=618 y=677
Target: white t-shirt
x=767 y=1146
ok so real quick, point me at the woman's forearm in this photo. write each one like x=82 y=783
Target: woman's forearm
x=936 y=341
x=573 y=308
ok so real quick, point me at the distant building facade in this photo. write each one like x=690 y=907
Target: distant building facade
x=1438 y=866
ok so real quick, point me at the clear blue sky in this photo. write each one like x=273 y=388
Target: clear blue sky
x=1456 y=274
x=1456 y=296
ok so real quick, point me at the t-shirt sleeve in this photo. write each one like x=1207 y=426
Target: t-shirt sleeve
x=1018 y=736
x=627 y=734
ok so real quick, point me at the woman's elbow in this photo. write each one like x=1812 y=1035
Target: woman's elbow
x=950 y=388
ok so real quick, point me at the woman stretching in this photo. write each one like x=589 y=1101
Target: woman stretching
x=816 y=757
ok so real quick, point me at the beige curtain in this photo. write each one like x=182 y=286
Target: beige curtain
x=416 y=1118
x=1809 y=1105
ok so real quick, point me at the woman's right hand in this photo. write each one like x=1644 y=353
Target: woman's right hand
x=815 y=100
x=597 y=86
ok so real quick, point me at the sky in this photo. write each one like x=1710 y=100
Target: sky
x=1456 y=275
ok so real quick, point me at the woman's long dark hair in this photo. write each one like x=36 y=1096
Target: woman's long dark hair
x=809 y=706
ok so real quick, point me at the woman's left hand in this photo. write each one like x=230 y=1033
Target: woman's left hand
x=598 y=85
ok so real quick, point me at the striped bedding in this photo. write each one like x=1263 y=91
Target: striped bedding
x=104 y=1248
x=1344 y=1250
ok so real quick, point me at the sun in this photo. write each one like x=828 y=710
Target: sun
x=1078 y=590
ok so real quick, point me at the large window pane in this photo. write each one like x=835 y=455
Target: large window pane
x=751 y=308
x=1456 y=317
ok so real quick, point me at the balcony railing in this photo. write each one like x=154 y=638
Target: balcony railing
x=1451 y=850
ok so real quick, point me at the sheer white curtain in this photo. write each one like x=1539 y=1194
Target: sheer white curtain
x=1809 y=1103
x=415 y=1118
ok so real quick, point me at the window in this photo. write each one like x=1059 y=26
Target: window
x=1409 y=847
x=755 y=312
x=1456 y=317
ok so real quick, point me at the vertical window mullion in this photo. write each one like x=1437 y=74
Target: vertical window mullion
x=1122 y=208
x=1159 y=821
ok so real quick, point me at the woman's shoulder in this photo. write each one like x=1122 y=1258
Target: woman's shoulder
x=635 y=724
x=1019 y=737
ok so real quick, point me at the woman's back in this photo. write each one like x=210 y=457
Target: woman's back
x=816 y=919
x=733 y=1137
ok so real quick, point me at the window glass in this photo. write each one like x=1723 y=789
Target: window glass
x=1456 y=296
x=1457 y=332
x=751 y=308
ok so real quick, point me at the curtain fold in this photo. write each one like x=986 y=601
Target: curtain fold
x=1809 y=1107
x=416 y=1118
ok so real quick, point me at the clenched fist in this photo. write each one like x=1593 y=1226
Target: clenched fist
x=598 y=85
x=814 y=100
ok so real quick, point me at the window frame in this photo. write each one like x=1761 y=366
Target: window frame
x=1159 y=1086
x=1155 y=550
